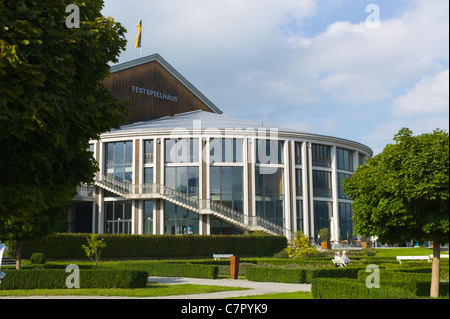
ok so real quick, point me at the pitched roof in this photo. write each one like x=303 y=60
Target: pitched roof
x=156 y=57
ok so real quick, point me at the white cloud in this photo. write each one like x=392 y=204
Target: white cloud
x=429 y=96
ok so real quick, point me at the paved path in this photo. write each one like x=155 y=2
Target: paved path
x=256 y=288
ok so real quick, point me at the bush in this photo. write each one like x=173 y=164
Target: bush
x=38 y=258
x=300 y=247
x=168 y=269
x=299 y=275
x=69 y=246
x=332 y=288
x=56 y=279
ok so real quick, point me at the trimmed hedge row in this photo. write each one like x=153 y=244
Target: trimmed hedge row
x=169 y=269
x=334 y=288
x=300 y=275
x=56 y=279
x=67 y=246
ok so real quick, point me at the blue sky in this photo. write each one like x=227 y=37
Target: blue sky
x=321 y=67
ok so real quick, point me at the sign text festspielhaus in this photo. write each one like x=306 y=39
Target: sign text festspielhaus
x=156 y=94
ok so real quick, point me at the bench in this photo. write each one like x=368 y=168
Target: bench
x=400 y=258
x=219 y=256
x=339 y=262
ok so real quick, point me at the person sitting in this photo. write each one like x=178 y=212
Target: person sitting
x=345 y=257
x=337 y=260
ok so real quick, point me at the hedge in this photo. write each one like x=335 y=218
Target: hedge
x=300 y=275
x=333 y=288
x=169 y=269
x=56 y=279
x=68 y=246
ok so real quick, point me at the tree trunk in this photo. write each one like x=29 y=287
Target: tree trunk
x=434 y=291
x=19 y=255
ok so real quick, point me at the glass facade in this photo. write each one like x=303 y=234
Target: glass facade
x=341 y=177
x=183 y=179
x=269 y=151
x=119 y=159
x=322 y=183
x=345 y=221
x=180 y=221
x=321 y=155
x=322 y=215
x=225 y=150
x=183 y=150
x=269 y=193
x=118 y=217
x=226 y=186
x=298 y=153
x=299 y=215
x=344 y=159
x=148 y=152
x=148 y=217
x=219 y=227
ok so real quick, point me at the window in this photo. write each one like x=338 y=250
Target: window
x=321 y=155
x=298 y=182
x=322 y=215
x=269 y=152
x=345 y=221
x=269 y=193
x=183 y=150
x=298 y=153
x=219 y=227
x=226 y=186
x=148 y=152
x=299 y=215
x=344 y=159
x=225 y=150
x=183 y=179
x=118 y=217
x=180 y=221
x=322 y=184
x=119 y=157
x=341 y=178
x=361 y=159
x=148 y=217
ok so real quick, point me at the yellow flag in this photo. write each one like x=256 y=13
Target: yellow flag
x=137 y=42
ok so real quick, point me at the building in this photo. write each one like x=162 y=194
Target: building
x=179 y=166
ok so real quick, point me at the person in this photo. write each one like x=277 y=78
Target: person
x=318 y=240
x=345 y=257
x=337 y=260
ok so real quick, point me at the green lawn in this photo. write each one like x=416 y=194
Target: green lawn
x=152 y=290
x=286 y=295
x=392 y=252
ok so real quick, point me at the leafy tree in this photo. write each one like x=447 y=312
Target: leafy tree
x=402 y=193
x=94 y=248
x=52 y=102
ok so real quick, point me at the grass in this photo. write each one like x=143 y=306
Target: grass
x=152 y=290
x=392 y=252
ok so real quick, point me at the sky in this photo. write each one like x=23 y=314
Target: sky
x=354 y=69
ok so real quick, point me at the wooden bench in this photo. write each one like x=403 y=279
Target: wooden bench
x=400 y=258
x=219 y=256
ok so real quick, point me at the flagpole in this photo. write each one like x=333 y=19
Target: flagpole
x=140 y=49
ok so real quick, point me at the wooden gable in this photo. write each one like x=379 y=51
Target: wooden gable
x=155 y=90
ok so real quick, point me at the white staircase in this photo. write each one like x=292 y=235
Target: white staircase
x=127 y=190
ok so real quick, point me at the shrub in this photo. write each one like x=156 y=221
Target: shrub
x=69 y=246
x=168 y=269
x=56 y=279
x=94 y=248
x=38 y=258
x=300 y=247
x=333 y=288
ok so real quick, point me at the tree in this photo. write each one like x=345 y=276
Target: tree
x=94 y=248
x=402 y=193
x=52 y=101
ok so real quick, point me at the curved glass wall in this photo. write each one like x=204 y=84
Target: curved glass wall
x=119 y=159
x=269 y=193
x=226 y=186
x=118 y=217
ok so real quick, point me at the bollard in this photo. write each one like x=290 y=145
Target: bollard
x=234 y=267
